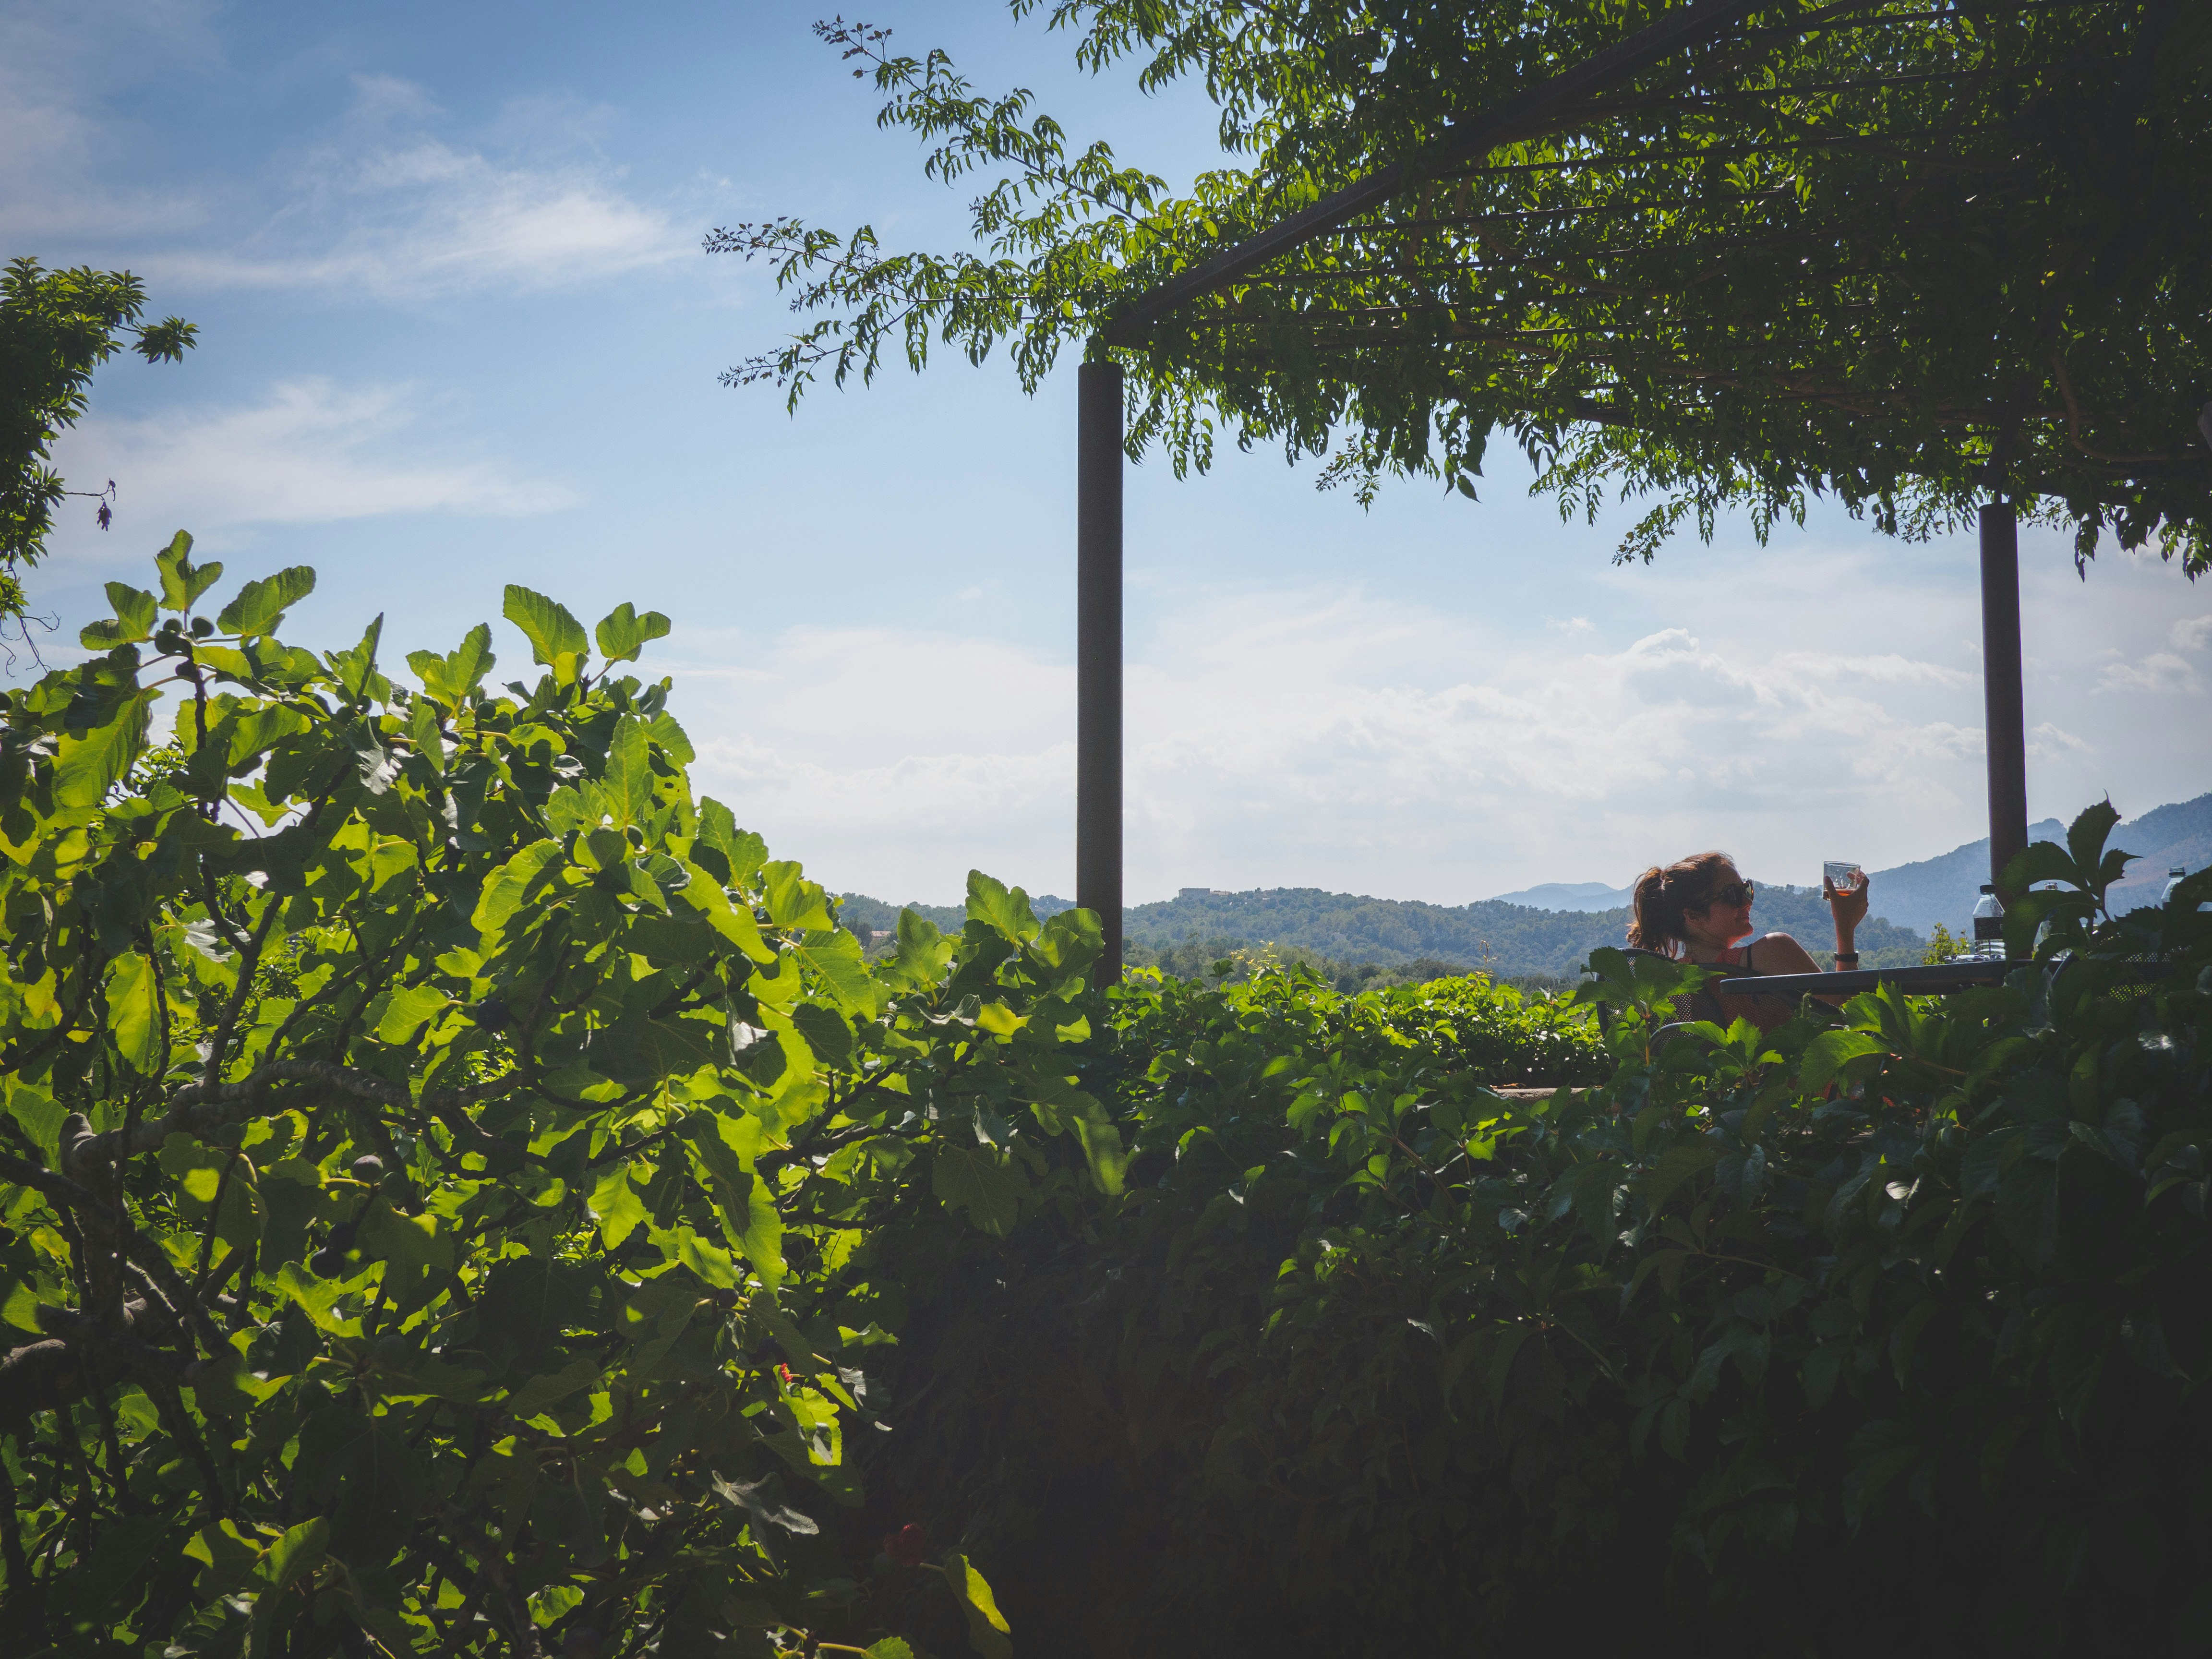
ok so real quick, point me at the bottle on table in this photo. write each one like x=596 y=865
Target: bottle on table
x=2043 y=929
x=1989 y=925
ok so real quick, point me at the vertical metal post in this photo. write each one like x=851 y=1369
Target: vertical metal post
x=2005 y=717
x=1099 y=654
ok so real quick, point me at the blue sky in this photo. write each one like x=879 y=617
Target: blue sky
x=456 y=331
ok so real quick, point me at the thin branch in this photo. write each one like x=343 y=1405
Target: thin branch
x=151 y=1259
x=2074 y=425
x=249 y=964
x=25 y=1174
x=199 y=1109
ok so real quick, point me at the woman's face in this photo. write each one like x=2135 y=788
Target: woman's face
x=1727 y=919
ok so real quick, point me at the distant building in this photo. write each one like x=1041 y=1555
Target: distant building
x=1201 y=893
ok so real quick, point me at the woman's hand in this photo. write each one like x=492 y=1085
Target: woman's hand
x=1849 y=906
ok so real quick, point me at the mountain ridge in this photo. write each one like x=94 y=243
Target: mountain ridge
x=1517 y=939
x=1922 y=892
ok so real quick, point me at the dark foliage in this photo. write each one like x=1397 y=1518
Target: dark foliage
x=1886 y=1332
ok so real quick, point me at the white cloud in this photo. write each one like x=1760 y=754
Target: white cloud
x=383 y=203
x=1671 y=667
x=2160 y=671
x=2048 y=741
x=423 y=218
x=308 y=452
x=2192 y=634
x=1313 y=736
x=379 y=99
x=1890 y=669
x=891 y=758
x=1569 y=625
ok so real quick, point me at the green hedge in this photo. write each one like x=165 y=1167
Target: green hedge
x=1881 y=1333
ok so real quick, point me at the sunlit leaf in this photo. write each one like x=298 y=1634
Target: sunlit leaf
x=260 y=605
x=622 y=633
x=557 y=639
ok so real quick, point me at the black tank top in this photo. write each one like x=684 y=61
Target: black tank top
x=1706 y=1003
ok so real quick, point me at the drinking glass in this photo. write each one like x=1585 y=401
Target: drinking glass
x=1843 y=875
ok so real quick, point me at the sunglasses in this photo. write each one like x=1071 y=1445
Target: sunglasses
x=1733 y=893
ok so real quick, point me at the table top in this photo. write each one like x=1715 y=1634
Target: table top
x=1965 y=974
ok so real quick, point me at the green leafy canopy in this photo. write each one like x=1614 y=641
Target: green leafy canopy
x=1905 y=260
x=56 y=329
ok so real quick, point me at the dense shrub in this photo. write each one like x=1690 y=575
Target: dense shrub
x=1224 y=960
x=429 y=1221
x=1882 y=1332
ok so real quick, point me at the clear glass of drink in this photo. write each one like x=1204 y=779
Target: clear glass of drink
x=1842 y=875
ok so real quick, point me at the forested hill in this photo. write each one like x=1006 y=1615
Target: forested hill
x=1508 y=939
x=865 y=916
x=1513 y=939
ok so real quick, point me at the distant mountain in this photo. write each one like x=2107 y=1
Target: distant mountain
x=2163 y=839
x=865 y=916
x=1942 y=889
x=1591 y=896
x=1508 y=939
x=1550 y=930
x=1918 y=895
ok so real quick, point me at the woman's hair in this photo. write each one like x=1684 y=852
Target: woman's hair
x=1661 y=896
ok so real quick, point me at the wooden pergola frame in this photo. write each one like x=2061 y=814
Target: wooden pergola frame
x=1239 y=297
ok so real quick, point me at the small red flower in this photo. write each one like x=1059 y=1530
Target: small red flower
x=789 y=1381
x=907 y=1545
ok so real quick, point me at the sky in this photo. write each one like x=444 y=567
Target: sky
x=456 y=330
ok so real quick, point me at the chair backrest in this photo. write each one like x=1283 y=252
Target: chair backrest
x=1703 y=1005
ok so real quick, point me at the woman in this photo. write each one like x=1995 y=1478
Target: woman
x=1698 y=909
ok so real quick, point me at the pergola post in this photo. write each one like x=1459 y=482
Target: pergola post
x=2003 y=705
x=1098 y=463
